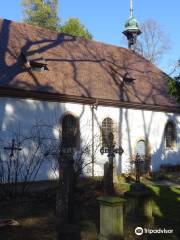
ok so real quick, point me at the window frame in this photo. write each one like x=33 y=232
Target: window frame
x=77 y=137
x=173 y=136
x=108 y=128
x=145 y=146
x=147 y=161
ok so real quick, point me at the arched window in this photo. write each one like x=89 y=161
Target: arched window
x=70 y=131
x=141 y=148
x=107 y=132
x=170 y=135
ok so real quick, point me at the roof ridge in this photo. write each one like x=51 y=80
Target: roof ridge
x=82 y=38
x=56 y=32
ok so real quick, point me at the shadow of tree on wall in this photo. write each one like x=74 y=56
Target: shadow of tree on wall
x=11 y=68
x=85 y=65
x=78 y=59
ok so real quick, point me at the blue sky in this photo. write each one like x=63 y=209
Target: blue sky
x=105 y=19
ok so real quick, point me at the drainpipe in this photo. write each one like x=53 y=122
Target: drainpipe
x=93 y=107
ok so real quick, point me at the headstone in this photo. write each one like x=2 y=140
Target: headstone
x=111 y=218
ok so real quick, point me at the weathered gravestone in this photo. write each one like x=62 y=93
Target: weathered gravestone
x=139 y=200
x=111 y=218
x=111 y=207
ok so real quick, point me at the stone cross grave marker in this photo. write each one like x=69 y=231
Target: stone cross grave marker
x=138 y=160
x=111 y=150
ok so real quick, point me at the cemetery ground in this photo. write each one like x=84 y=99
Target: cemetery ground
x=36 y=211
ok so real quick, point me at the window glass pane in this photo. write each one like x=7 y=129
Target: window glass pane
x=69 y=131
x=107 y=132
x=141 y=148
x=169 y=135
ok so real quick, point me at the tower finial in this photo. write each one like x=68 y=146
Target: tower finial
x=132 y=29
x=131 y=8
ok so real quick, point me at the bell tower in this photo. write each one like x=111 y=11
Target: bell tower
x=132 y=29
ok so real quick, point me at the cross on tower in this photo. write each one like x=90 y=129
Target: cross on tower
x=13 y=148
x=131 y=8
x=132 y=29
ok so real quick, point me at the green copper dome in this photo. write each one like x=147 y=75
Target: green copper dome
x=132 y=25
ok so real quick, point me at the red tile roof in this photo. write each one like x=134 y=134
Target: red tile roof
x=77 y=67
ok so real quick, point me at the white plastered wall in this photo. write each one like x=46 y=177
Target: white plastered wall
x=130 y=126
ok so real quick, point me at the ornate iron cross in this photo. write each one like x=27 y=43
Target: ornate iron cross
x=111 y=151
x=137 y=163
x=108 y=173
x=13 y=148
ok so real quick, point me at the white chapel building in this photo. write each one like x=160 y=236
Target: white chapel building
x=62 y=82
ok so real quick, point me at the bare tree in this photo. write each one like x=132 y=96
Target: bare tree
x=153 y=43
x=39 y=145
x=82 y=157
x=21 y=167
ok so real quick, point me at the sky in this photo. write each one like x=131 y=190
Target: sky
x=105 y=19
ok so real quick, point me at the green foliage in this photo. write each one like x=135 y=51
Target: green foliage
x=174 y=87
x=74 y=27
x=42 y=13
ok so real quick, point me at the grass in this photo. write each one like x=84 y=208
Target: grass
x=165 y=210
x=37 y=217
x=166 y=206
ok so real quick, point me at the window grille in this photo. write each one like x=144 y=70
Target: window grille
x=170 y=135
x=107 y=132
x=141 y=148
x=69 y=131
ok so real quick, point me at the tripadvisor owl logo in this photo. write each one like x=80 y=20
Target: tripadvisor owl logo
x=139 y=231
